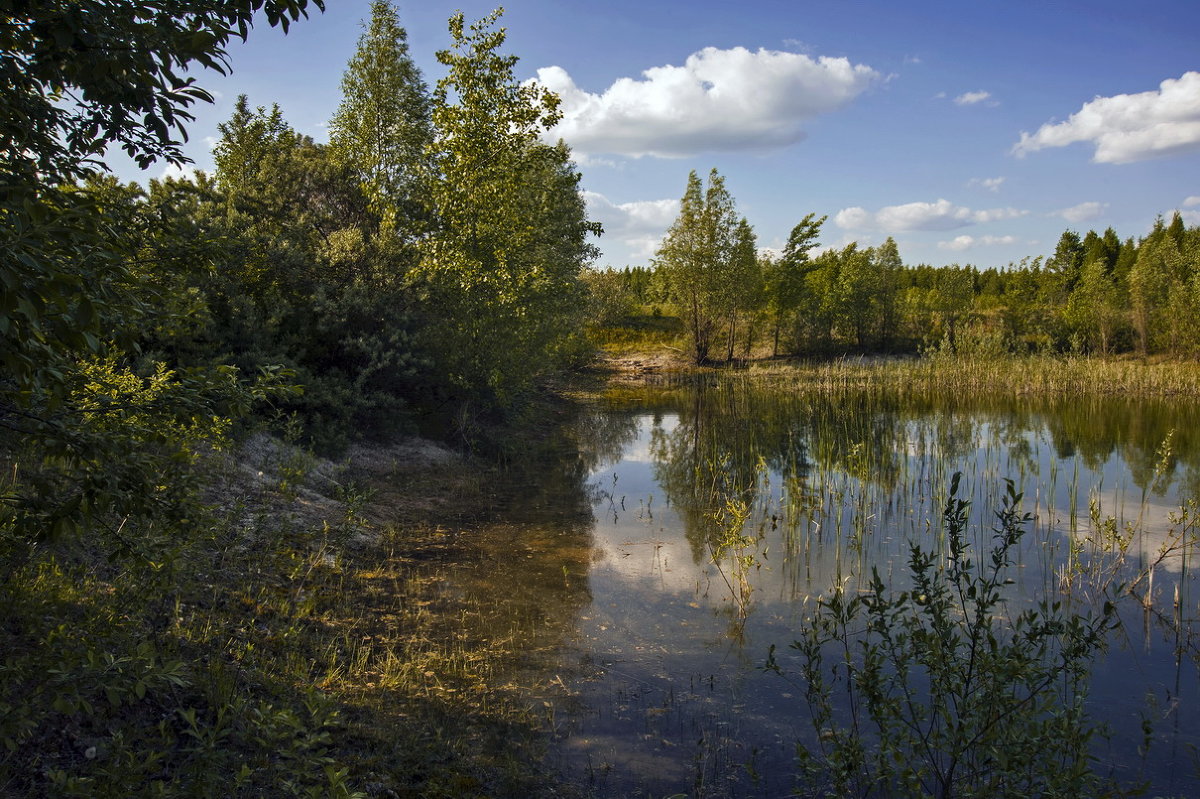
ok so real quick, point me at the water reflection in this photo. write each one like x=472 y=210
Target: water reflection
x=666 y=695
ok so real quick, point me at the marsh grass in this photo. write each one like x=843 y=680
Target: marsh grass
x=1015 y=375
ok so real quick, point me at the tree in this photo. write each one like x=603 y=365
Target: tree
x=818 y=312
x=382 y=127
x=500 y=273
x=1092 y=307
x=73 y=87
x=1067 y=262
x=786 y=280
x=247 y=139
x=1150 y=286
x=889 y=267
x=696 y=258
x=858 y=290
x=951 y=299
x=744 y=284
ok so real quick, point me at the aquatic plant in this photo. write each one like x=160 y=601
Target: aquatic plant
x=940 y=690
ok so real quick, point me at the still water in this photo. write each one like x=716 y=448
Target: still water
x=645 y=641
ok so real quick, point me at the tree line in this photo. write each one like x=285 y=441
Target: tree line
x=1097 y=293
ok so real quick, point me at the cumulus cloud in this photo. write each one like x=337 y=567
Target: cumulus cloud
x=960 y=243
x=854 y=218
x=1129 y=127
x=1082 y=212
x=940 y=215
x=972 y=98
x=991 y=184
x=719 y=100
x=639 y=226
x=177 y=172
x=1191 y=202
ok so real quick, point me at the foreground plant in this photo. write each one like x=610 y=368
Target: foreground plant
x=941 y=690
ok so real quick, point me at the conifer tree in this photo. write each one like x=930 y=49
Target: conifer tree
x=382 y=128
x=247 y=139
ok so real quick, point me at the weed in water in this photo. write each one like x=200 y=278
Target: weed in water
x=939 y=690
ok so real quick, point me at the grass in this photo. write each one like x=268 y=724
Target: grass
x=647 y=336
x=639 y=334
x=1019 y=375
x=263 y=652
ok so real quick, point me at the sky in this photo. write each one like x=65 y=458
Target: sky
x=971 y=132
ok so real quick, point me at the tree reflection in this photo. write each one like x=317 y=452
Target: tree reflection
x=770 y=447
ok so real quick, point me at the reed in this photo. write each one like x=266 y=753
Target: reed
x=1024 y=376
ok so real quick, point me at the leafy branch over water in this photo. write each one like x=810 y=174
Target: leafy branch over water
x=945 y=692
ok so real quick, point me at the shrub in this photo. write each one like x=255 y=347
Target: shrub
x=947 y=693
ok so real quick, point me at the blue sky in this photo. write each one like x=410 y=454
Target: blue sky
x=972 y=132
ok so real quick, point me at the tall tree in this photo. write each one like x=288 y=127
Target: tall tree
x=1150 y=284
x=696 y=258
x=743 y=285
x=500 y=272
x=382 y=129
x=786 y=279
x=1092 y=309
x=1067 y=262
x=951 y=300
x=888 y=266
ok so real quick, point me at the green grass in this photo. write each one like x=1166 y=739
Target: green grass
x=640 y=333
x=259 y=653
x=1018 y=375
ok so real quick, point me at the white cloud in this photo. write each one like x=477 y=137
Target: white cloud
x=960 y=243
x=718 y=100
x=855 y=218
x=991 y=184
x=940 y=215
x=1191 y=202
x=1082 y=212
x=972 y=98
x=639 y=226
x=992 y=214
x=176 y=172
x=1190 y=218
x=588 y=160
x=1129 y=127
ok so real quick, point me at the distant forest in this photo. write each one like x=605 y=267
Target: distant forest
x=1097 y=294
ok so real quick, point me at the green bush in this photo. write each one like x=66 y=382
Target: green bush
x=940 y=690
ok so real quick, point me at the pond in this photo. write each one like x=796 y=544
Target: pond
x=644 y=639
